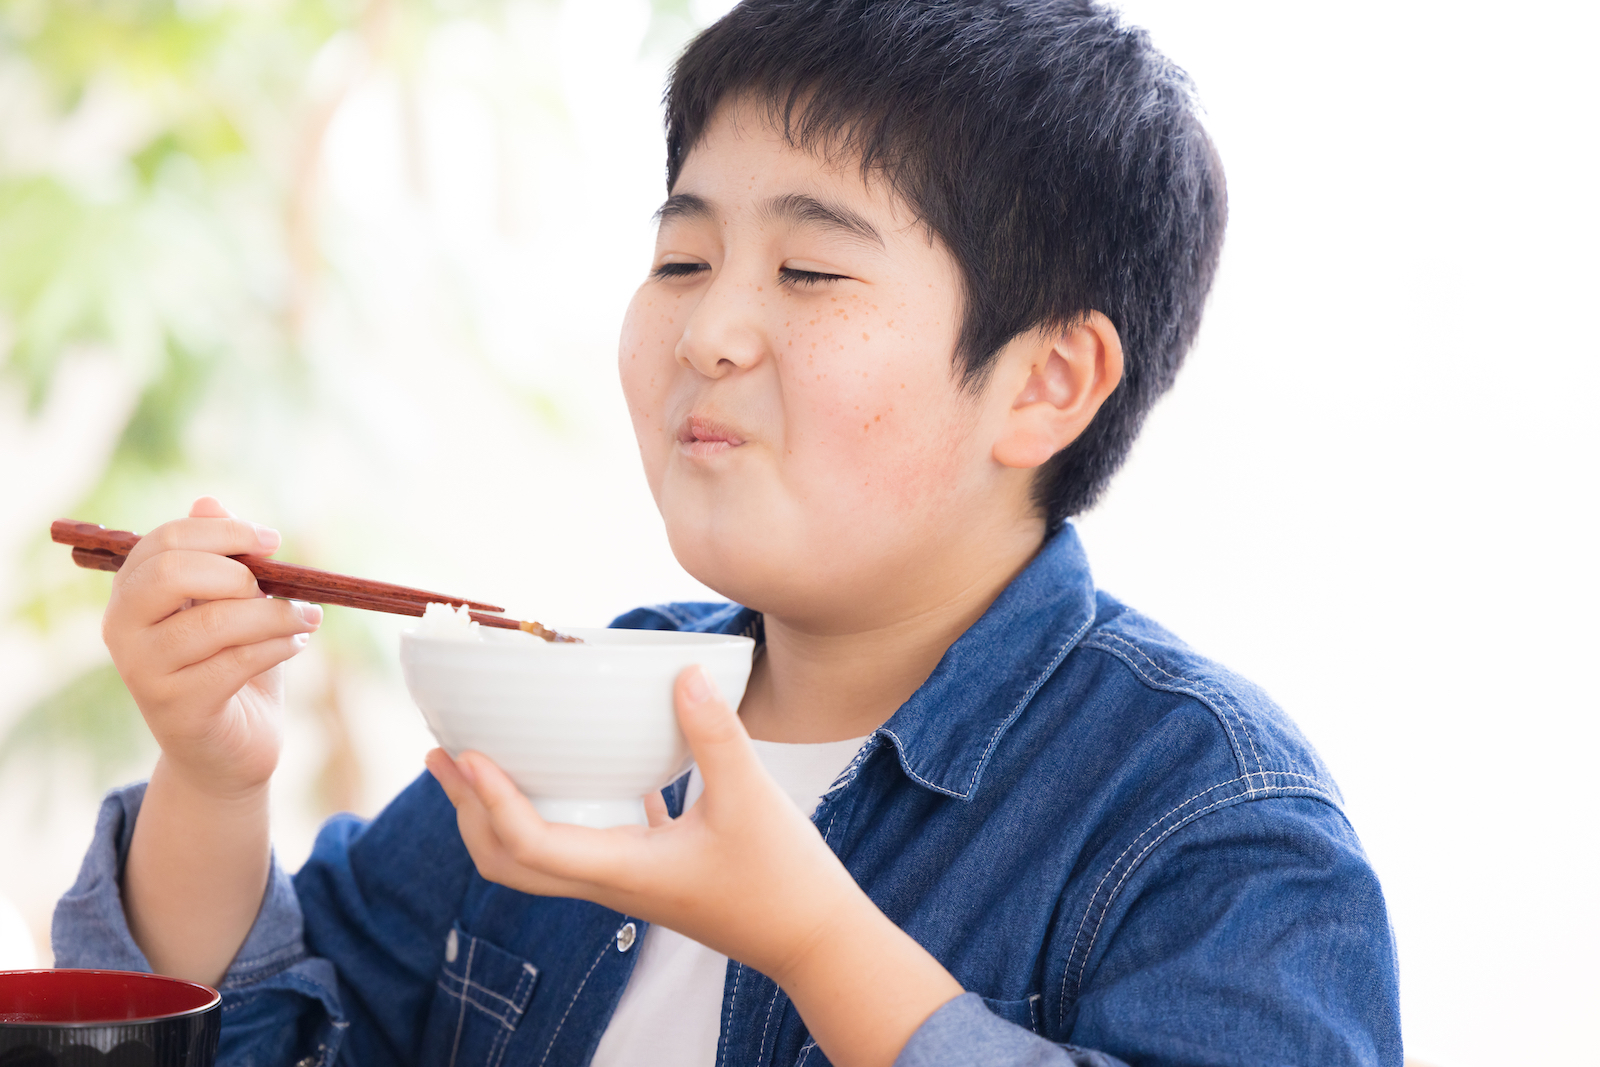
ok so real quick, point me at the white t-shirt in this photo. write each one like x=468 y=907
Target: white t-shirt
x=671 y=1011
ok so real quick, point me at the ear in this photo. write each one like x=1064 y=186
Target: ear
x=1057 y=380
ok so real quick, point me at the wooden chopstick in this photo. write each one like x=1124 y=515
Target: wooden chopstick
x=97 y=548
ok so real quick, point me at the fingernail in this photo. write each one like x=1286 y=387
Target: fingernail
x=465 y=767
x=696 y=686
x=267 y=538
x=311 y=613
x=301 y=640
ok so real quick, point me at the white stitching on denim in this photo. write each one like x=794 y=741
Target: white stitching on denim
x=1118 y=862
x=1038 y=683
x=576 y=993
x=521 y=992
x=1201 y=686
x=466 y=998
x=847 y=775
x=805 y=1052
x=1073 y=953
x=461 y=1019
x=465 y=981
x=994 y=738
x=728 y=1029
x=1168 y=832
x=913 y=775
x=762 y=1055
x=1233 y=738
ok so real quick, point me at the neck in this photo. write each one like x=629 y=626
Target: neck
x=813 y=684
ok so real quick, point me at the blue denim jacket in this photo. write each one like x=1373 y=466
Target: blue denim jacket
x=1122 y=851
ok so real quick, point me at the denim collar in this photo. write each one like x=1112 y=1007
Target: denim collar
x=945 y=733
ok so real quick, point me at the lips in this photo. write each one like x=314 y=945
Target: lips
x=702 y=436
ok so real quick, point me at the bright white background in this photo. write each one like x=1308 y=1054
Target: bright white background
x=1371 y=490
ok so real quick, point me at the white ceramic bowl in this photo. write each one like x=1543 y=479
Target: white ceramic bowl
x=585 y=730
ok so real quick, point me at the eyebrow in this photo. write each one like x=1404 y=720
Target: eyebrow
x=797 y=208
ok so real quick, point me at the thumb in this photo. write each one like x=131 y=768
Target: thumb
x=721 y=747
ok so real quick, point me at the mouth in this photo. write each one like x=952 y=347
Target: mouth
x=700 y=436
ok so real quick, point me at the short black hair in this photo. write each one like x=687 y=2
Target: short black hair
x=1057 y=154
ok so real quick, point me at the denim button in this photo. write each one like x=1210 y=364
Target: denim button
x=626 y=936
x=452 y=947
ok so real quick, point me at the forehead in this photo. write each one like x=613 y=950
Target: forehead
x=744 y=163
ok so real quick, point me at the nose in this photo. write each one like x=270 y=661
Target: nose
x=724 y=333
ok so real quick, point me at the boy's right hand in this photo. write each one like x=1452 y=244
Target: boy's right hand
x=199 y=646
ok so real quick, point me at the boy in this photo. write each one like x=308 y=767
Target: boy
x=922 y=269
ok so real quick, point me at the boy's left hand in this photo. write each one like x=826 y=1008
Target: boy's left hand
x=743 y=871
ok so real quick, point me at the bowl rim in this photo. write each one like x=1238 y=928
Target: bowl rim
x=696 y=638
x=211 y=1004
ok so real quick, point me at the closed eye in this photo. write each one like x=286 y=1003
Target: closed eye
x=791 y=277
x=678 y=270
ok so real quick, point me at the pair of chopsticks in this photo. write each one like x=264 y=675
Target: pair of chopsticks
x=100 y=549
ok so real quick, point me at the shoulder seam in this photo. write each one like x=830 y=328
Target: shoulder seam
x=1309 y=788
x=1213 y=698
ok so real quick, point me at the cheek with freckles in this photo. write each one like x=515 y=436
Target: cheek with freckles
x=646 y=366
x=876 y=411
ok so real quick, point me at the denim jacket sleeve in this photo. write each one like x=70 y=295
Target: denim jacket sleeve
x=280 y=1004
x=358 y=900
x=1261 y=920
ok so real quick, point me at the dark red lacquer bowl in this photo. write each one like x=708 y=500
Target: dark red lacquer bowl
x=71 y=1018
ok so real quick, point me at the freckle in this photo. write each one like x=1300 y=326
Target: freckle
x=864 y=337
x=902 y=385
x=758 y=288
x=864 y=426
x=877 y=418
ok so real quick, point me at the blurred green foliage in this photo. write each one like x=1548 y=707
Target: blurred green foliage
x=204 y=123
x=112 y=244
x=158 y=168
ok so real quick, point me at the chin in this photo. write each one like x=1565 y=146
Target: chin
x=725 y=564
x=784 y=574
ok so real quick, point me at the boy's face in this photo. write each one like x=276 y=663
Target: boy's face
x=788 y=368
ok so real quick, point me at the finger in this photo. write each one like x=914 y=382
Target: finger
x=444 y=771
x=575 y=854
x=151 y=590
x=494 y=859
x=200 y=633
x=220 y=676
x=721 y=747
x=219 y=534
x=655 y=811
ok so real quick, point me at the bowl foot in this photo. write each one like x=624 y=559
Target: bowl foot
x=596 y=813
